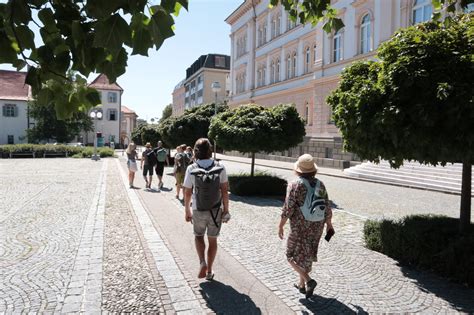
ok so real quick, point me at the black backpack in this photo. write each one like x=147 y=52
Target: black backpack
x=151 y=158
x=207 y=188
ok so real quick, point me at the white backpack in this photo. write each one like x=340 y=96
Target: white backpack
x=314 y=207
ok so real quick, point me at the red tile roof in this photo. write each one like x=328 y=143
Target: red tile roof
x=102 y=83
x=127 y=110
x=12 y=85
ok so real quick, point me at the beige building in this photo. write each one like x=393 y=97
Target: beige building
x=128 y=124
x=197 y=85
x=275 y=60
x=178 y=99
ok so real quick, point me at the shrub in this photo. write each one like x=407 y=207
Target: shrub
x=40 y=149
x=262 y=184
x=427 y=242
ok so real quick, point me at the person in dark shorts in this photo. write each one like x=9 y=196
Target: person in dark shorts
x=162 y=157
x=147 y=165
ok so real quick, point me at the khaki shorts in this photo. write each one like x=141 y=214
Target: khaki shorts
x=203 y=221
x=179 y=178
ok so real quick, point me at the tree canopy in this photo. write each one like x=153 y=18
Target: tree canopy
x=144 y=133
x=167 y=112
x=417 y=103
x=253 y=128
x=85 y=35
x=190 y=126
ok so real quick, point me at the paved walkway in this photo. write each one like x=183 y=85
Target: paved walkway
x=75 y=238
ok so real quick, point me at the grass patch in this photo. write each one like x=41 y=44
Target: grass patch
x=427 y=242
x=262 y=184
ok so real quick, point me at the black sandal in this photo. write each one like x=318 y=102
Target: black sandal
x=301 y=289
x=311 y=285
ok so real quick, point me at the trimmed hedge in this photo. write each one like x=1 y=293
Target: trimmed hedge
x=427 y=242
x=262 y=184
x=40 y=149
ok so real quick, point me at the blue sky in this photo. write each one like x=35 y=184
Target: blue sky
x=149 y=81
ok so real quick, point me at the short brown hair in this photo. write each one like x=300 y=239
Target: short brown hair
x=202 y=149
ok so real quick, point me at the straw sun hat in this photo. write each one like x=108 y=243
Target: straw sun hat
x=305 y=164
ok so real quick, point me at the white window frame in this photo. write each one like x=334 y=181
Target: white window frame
x=112 y=97
x=288 y=66
x=295 y=63
x=109 y=113
x=422 y=6
x=277 y=73
x=365 y=34
x=10 y=110
x=307 y=60
x=336 y=54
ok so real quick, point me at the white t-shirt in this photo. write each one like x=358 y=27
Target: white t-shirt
x=189 y=180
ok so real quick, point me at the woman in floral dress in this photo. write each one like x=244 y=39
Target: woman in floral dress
x=304 y=237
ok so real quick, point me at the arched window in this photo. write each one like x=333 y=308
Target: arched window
x=314 y=53
x=294 y=64
x=272 y=72
x=277 y=74
x=307 y=60
x=337 y=47
x=278 y=25
x=264 y=74
x=365 y=35
x=306 y=114
x=273 y=27
x=288 y=66
x=264 y=37
x=421 y=11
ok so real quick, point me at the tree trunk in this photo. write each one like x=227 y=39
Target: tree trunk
x=253 y=165
x=466 y=197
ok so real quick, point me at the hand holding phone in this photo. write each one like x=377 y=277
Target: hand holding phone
x=329 y=233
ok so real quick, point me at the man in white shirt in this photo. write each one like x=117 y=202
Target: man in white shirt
x=206 y=218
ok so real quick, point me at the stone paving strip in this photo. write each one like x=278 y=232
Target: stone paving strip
x=84 y=291
x=180 y=293
x=39 y=241
x=131 y=283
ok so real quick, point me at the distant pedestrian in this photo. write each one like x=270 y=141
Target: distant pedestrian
x=131 y=162
x=147 y=163
x=189 y=152
x=308 y=209
x=162 y=158
x=206 y=183
x=181 y=162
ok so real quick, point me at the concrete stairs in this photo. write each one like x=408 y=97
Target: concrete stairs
x=412 y=174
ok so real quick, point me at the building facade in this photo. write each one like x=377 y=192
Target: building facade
x=178 y=99
x=275 y=60
x=197 y=85
x=111 y=104
x=129 y=123
x=14 y=97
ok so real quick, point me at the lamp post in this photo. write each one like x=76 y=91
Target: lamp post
x=95 y=114
x=216 y=88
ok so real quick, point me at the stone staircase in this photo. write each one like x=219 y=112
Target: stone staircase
x=412 y=174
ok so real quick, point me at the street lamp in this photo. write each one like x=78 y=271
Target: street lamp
x=216 y=88
x=95 y=114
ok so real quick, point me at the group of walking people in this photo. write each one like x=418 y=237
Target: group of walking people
x=206 y=205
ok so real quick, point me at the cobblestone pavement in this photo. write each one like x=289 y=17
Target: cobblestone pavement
x=351 y=278
x=44 y=209
x=130 y=284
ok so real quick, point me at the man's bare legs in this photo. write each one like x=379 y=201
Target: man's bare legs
x=201 y=249
x=211 y=253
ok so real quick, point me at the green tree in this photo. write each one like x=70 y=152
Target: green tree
x=253 y=128
x=190 y=126
x=167 y=112
x=417 y=103
x=48 y=127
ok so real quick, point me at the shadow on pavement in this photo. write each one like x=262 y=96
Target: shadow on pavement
x=460 y=297
x=224 y=299
x=321 y=305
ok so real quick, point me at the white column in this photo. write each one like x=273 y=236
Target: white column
x=378 y=17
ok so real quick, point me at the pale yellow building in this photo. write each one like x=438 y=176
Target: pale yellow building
x=197 y=85
x=275 y=60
